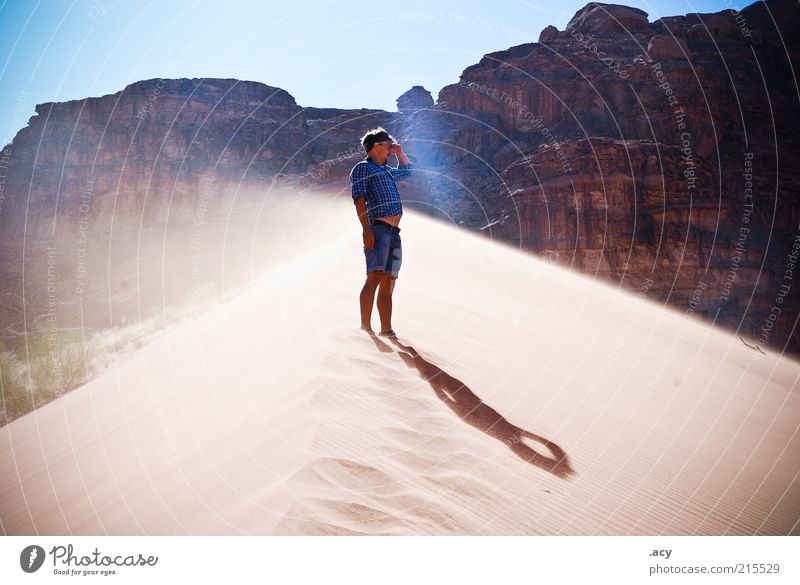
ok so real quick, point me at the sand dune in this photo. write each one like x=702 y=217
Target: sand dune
x=275 y=414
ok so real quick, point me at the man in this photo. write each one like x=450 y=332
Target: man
x=379 y=210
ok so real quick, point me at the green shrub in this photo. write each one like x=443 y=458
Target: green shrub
x=16 y=397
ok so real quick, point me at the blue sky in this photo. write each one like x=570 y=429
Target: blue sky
x=325 y=53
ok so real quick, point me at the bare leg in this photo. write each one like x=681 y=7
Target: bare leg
x=367 y=298
x=385 y=290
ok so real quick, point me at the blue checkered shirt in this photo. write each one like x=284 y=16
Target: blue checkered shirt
x=376 y=183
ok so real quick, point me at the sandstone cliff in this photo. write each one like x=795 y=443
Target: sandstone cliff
x=659 y=155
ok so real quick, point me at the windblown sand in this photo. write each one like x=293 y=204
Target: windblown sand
x=275 y=414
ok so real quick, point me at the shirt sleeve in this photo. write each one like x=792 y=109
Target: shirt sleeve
x=359 y=180
x=401 y=173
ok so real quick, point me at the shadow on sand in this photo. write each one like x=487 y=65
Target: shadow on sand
x=473 y=411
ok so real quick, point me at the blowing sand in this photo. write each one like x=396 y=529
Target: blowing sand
x=275 y=414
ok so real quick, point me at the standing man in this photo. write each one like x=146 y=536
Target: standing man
x=379 y=210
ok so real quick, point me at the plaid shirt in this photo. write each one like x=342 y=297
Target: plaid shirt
x=376 y=183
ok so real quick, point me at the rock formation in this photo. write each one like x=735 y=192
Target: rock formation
x=664 y=47
x=657 y=155
x=416 y=98
x=608 y=18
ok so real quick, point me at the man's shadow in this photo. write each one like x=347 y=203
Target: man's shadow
x=473 y=411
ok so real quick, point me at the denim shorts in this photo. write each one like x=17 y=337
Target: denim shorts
x=387 y=254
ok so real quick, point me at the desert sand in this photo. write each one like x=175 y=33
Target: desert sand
x=274 y=414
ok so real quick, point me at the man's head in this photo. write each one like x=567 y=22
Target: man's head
x=378 y=144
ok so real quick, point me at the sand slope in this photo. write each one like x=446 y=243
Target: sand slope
x=275 y=414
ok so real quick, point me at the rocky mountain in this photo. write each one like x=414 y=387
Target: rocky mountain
x=657 y=155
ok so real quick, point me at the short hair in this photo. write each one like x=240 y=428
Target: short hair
x=376 y=135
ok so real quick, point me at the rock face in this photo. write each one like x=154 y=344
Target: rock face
x=608 y=18
x=416 y=98
x=645 y=154
x=631 y=155
x=549 y=32
x=663 y=47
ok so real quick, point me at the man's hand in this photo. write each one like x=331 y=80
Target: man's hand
x=369 y=238
x=397 y=150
